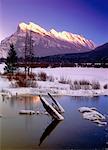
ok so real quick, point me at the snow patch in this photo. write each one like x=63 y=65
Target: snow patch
x=2 y=68
x=28 y=112
x=93 y=115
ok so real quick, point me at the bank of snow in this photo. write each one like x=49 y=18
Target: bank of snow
x=76 y=73
x=58 y=89
x=44 y=87
x=4 y=83
x=2 y=68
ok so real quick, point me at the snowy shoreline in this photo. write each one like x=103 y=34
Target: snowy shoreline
x=36 y=91
x=55 y=87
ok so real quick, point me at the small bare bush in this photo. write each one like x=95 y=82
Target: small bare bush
x=72 y=87
x=77 y=86
x=64 y=81
x=42 y=76
x=50 y=78
x=95 y=85
x=76 y=82
x=105 y=86
x=84 y=82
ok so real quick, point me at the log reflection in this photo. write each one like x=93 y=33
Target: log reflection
x=48 y=130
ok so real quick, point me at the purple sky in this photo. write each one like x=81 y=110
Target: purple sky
x=86 y=17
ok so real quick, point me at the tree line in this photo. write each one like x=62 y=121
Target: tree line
x=12 y=58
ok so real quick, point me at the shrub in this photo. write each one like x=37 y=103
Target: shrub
x=72 y=87
x=50 y=78
x=84 y=82
x=95 y=85
x=64 y=81
x=77 y=86
x=105 y=86
x=42 y=76
x=22 y=80
x=75 y=82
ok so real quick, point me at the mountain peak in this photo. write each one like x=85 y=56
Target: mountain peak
x=22 y=26
x=32 y=27
x=46 y=42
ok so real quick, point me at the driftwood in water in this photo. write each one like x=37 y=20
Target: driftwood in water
x=27 y=112
x=58 y=107
x=51 y=110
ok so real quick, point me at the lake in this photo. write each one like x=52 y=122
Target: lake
x=27 y=132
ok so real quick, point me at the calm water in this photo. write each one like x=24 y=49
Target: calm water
x=40 y=132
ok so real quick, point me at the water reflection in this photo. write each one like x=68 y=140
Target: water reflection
x=48 y=130
x=12 y=101
x=86 y=98
x=24 y=131
x=27 y=101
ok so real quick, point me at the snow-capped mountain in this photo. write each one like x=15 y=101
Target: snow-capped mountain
x=45 y=42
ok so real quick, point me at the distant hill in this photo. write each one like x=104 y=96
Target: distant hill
x=99 y=54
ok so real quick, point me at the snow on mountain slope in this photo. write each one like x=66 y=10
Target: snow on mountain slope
x=45 y=42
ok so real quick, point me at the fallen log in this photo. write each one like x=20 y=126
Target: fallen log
x=58 y=106
x=27 y=112
x=53 y=112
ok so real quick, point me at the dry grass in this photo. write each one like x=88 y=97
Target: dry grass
x=64 y=81
x=22 y=80
x=80 y=84
x=42 y=76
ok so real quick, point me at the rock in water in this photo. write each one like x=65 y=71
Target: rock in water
x=93 y=115
x=27 y=112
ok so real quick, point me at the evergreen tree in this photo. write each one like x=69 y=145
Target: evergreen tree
x=11 y=60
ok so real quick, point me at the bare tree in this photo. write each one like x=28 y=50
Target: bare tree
x=28 y=52
x=25 y=52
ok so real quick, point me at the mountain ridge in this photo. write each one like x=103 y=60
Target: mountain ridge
x=98 y=55
x=45 y=42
